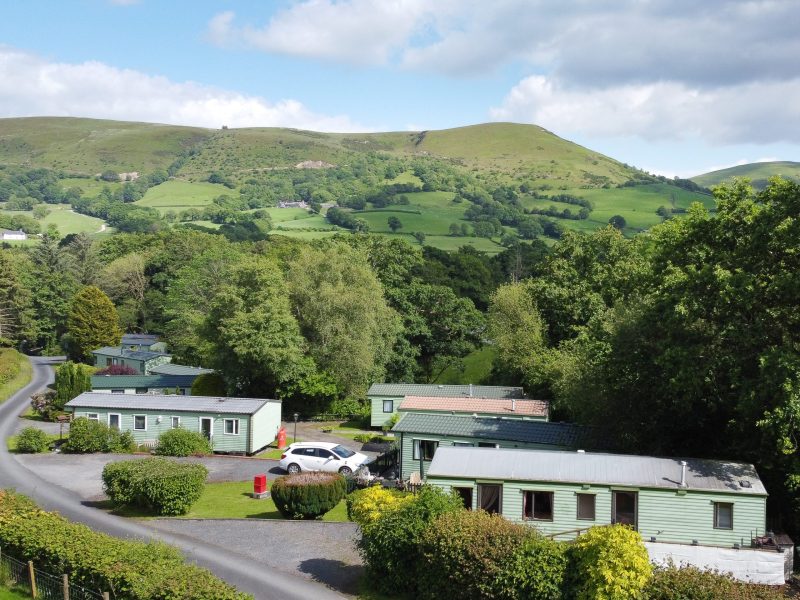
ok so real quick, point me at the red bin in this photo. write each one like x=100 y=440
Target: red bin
x=260 y=484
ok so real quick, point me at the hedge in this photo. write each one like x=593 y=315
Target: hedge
x=156 y=484
x=127 y=569
x=368 y=505
x=87 y=436
x=182 y=442
x=308 y=495
x=690 y=583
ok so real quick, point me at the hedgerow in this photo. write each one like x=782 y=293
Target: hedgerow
x=308 y=495
x=127 y=569
x=182 y=442
x=690 y=583
x=160 y=485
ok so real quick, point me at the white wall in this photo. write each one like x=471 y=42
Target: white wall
x=747 y=564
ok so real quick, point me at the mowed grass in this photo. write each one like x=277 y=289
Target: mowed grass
x=233 y=500
x=66 y=220
x=177 y=195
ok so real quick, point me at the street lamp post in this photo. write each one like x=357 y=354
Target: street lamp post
x=296 y=416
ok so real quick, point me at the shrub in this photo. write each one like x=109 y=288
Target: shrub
x=182 y=442
x=208 y=384
x=87 y=436
x=133 y=570
x=609 y=563
x=690 y=583
x=536 y=570
x=464 y=552
x=362 y=437
x=44 y=404
x=367 y=505
x=31 y=440
x=117 y=370
x=308 y=495
x=157 y=484
x=390 y=545
x=71 y=380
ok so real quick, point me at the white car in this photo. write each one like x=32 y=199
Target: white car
x=321 y=456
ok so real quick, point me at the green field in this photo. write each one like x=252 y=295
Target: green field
x=177 y=195
x=757 y=173
x=90 y=186
x=67 y=221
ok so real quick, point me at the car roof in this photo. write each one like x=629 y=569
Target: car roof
x=313 y=445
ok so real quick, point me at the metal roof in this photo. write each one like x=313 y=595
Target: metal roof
x=594 y=468
x=174 y=369
x=124 y=353
x=492 y=428
x=444 y=391
x=502 y=406
x=166 y=403
x=139 y=338
x=142 y=381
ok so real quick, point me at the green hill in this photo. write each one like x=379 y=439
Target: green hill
x=525 y=168
x=757 y=173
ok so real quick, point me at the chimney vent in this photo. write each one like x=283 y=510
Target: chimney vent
x=470 y=390
x=513 y=405
x=683 y=473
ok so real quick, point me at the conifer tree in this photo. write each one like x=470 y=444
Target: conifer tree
x=93 y=323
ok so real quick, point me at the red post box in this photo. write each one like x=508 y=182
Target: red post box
x=281 y=438
x=259 y=484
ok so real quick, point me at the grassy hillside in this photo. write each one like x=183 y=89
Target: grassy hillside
x=91 y=146
x=758 y=173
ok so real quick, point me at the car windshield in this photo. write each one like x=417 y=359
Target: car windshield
x=343 y=452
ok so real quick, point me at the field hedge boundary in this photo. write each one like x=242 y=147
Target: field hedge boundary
x=128 y=570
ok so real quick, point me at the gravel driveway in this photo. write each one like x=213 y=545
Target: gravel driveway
x=315 y=550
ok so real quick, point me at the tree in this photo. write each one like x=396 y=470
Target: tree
x=93 y=323
x=16 y=310
x=394 y=223
x=84 y=261
x=420 y=237
x=455 y=230
x=125 y=281
x=339 y=303
x=71 y=380
x=54 y=288
x=109 y=175
x=618 y=222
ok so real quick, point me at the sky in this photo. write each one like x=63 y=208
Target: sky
x=676 y=87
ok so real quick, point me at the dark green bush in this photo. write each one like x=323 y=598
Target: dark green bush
x=308 y=495
x=31 y=440
x=130 y=570
x=160 y=485
x=536 y=570
x=690 y=583
x=464 y=552
x=87 y=436
x=208 y=384
x=390 y=545
x=182 y=442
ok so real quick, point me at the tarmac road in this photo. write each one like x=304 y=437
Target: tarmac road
x=238 y=570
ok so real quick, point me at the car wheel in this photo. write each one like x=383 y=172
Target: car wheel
x=292 y=469
x=345 y=471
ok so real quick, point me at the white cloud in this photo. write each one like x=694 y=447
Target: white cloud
x=31 y=86
x=762 y=112
x=353 y=31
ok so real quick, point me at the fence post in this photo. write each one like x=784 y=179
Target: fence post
x=65 y=579
x=32 y=574
x=106 y=596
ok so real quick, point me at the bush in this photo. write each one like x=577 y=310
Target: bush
x=464 y=552
x=367 y=505
x=390 y=545
x=44 y=404
x=182 y=442
x=208 y=384
x=690 y=583
x=609 y=563
x=536 y=570
x=162 y=486
x=362 y=437
x=87 y=436
x=32 y=441
x=133 y=570
x=117 y=370
x=308 y=495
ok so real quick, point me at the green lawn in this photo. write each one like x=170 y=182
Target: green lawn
x=21 y=379
x=67 y=221
x=7 y=594
x=232 y=500
x=179 y=195
x=275 y=453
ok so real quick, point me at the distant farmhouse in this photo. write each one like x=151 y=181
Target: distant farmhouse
x=233 y=425
x=9 y=235
x=301 y=204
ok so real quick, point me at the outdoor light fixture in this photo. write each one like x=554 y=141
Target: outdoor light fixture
x=296 y=416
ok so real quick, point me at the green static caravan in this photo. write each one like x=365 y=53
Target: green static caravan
x=233 y=425
x=422 y=435
x=142 y=341
x=385 y=398
x=694 y=502
x=140 y=360
x=143 y=384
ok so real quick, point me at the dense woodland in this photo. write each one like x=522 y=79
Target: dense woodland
x=684 y=341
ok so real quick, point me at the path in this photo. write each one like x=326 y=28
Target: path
x=248 y=575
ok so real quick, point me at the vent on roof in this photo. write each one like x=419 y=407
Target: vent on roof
x=745 y=484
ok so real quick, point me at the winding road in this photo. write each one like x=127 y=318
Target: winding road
x=246 y=574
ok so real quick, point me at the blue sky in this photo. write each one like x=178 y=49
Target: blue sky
x=672 y=86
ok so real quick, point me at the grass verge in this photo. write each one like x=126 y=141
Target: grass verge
x=18 y=381
x=13 y=594
x=273 y=452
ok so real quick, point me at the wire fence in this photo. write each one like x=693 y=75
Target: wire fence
x=42 y=585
